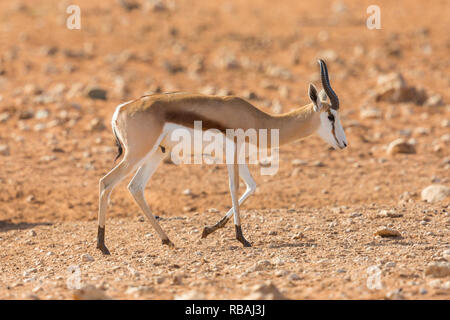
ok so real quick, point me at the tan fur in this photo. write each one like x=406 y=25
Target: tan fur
x=146 y=116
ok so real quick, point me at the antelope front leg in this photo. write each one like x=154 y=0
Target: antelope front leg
x=244 y=173
x=107 y=183
x=233 y=173
x=137 y=187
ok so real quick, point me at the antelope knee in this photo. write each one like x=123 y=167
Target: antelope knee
x=135 y=188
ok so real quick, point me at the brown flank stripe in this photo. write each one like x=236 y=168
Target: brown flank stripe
x=187 y=119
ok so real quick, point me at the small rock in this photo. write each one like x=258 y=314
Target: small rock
x=42 y=114
x=435 y=193
x=438 y=269
x=160 y=280
x=247 y=94
x=87 y=258
x=293 y=277
x=32 y=233
x=4 y=116
x=172 y=67
x=4 y=150
x=265 y=291
x=90 y=292
x=133 y=272
x=96 y=125
x=445 y=138
x=387 y=233
x=265 y=162
x=370 y=113
x=393 y=88
x=276 y=107
x=421 y=131
x=390 y=264
x=298 y=236
x=389 y=213
x=405 y=132
x=26 y=114
x=191 y=295
x=436 y=283
x=208 y=90
x=261 y=265
x=128 y=5
x=281 y=273
x=299 y=162
x=138 y=291
x=283 y=91
x=227 y=60
x=39 y=127
x=177 y=279
x=400 y=146
x=318 y=164
x=97 y=94
x=434 y=101
x=395 y=295
x=187 y=192
x=446 y=254
x=277 y=261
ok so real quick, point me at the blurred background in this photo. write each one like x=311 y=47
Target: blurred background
x=59 y=88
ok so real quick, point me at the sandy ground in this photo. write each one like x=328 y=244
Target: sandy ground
x=312 y=225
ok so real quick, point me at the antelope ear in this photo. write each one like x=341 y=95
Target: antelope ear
x=323 y=95
x=312 y=92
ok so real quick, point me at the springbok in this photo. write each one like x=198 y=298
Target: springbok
x=143 y=128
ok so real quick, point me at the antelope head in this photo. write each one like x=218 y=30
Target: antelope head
x=330 y=127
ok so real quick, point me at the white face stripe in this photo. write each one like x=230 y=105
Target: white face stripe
x=339 y=130
x=332 y=132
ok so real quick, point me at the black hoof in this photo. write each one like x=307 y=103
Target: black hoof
x=245 y=243
x=103 y=249
x=206 y=232
x=240 y=237
x=167 y=242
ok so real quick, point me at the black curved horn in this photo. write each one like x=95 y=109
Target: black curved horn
x=326 y=85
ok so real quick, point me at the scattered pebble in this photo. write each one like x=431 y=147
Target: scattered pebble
x=435 y=193
x=4 y=150
x=87 y=258
x=387 y=233
x=293 y=277
x=190 y=295
x=438 y=269
x=400 y=146
x=265 y=291
x=90 y=292
x=97 y=94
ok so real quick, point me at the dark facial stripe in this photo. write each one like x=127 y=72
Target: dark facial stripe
x=333 y=129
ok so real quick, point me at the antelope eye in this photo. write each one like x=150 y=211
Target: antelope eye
x=331 y=117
